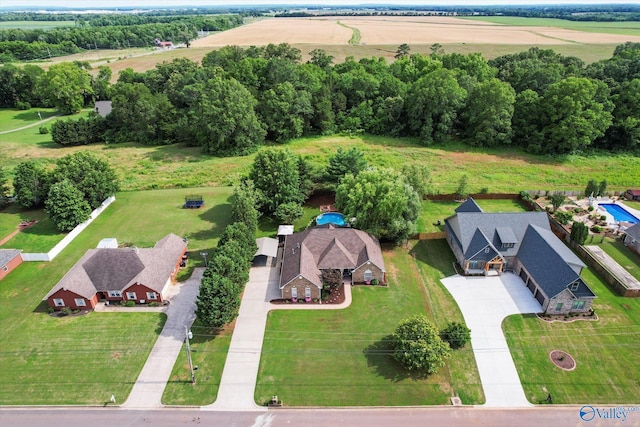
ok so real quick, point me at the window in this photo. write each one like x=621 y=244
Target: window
x=5 y=268
x=294 y=292
x=508 y=245
x=367 y=276
x=151 y=295
x=574 y=286
x=115 y=294
x=307 y=292
x=577 y=305
x=80 y=302
x=58 y=302
x=559 y=306
x=131 y=295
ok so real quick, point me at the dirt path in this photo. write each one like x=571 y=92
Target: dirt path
x=31 y=125
x=20 y=227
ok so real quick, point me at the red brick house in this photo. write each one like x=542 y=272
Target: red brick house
x=9 y=260
x=354 y=252
x=141 y=275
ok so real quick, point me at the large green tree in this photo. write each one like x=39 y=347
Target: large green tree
x=4 y=185
x=276 y=176
x=343 y=162
x=223 y=121
x=244 y=203
x=284 y=111
x=381 y=201
x=66 y=206
x=418 y=346
x=66 y=85
x=486 y=118
x=218 y=300
x=433 y=103
x=30 y=184
x=90 y=174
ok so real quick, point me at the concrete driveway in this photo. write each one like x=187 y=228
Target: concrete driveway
x=149 y=387
x=485 y=302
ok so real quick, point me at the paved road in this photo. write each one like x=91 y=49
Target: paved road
x=485 y=302
x=370 y=417
x=148 y=389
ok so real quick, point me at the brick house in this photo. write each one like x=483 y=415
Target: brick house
x=490 y=243
x=141 y=275
x=9 y=260
x=355 y=253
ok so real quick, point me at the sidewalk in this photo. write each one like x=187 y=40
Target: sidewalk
x=238 y=383
x=149 y=387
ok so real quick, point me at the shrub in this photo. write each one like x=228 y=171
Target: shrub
x=596 y=229
x=43 y=130
x=65 y=311
x=603 y=217
x=590 y=208
x=456 y=334
x=20 y=105
x=418 y=346
x=130 y=303
x=375 y=282
x=484 y=190
x=563 y=217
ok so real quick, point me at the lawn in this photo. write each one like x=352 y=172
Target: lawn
x=432 y=211
x=208 y=352
x=631 y=28
x=85 y=359
x=343 y=357
x=606 y=352
x=11 y=118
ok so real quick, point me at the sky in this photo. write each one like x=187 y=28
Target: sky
x=165 y=3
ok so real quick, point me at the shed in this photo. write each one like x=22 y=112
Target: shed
x=9 y=259
x=103 y=108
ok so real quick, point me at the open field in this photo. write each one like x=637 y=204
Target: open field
x=350 y=353
x=84 y=359
x=498 y=170
x=402 y=29
x=605 y=351
x=631 y=28
x=35 y=25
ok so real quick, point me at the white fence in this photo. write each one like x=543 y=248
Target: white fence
x=49 y=256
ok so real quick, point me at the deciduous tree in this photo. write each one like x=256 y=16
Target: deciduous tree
x=218 y=300
x=90 y=174
x=30 y=184
x=276 y=176
x=418 y=346
x=66 y=85
x=66 y=206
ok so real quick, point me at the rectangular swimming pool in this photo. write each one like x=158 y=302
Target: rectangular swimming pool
x=619 y=213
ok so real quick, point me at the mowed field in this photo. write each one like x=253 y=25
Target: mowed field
x=380 y=30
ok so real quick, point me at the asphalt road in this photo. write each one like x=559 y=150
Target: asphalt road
x=371 y=417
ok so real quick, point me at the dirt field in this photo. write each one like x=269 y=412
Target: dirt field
x=397 y=30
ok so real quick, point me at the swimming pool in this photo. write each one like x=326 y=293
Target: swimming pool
x=331 y=218
x=619 y=213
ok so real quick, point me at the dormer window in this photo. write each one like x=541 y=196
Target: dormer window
x=507 y=245
x=574 y=286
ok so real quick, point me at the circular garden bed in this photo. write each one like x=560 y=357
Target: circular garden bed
x=562 y=360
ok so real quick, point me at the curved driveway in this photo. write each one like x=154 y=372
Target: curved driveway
x=485 y=302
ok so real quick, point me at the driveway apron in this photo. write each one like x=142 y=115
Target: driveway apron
x=485 y=302
x=149 y=387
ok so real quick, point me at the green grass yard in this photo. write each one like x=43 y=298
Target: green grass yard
x=605 y=351
x=432 y=211
x=11 y=118
x=342 y=357
x=85 y=359
x=629 y=260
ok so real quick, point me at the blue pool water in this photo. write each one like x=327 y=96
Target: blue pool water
x=330 y=218
x=619 y=213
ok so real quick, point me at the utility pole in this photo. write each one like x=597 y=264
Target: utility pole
x=188 y=336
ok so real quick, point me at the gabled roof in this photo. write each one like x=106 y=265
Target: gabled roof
x=320 y=248
x=466 y=224
x=7 y=255
x=634 y=231
x=549 y=261
x=633 y=192
x=469 y=205
x=108 y=269
x=267 y=246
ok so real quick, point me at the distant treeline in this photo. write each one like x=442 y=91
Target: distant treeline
x=107 y=32
x=236 y=98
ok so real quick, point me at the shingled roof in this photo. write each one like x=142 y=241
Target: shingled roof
x=109 y=269
x=7 y=255
x=320 y=248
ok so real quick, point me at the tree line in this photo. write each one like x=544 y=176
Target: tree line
x=237 y=98
x=111 y=32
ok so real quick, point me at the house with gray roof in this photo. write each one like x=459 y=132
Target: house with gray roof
x=134 y=274
x=355 y=253
x=9 y=260
x=490 y=243
x=632 y=238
